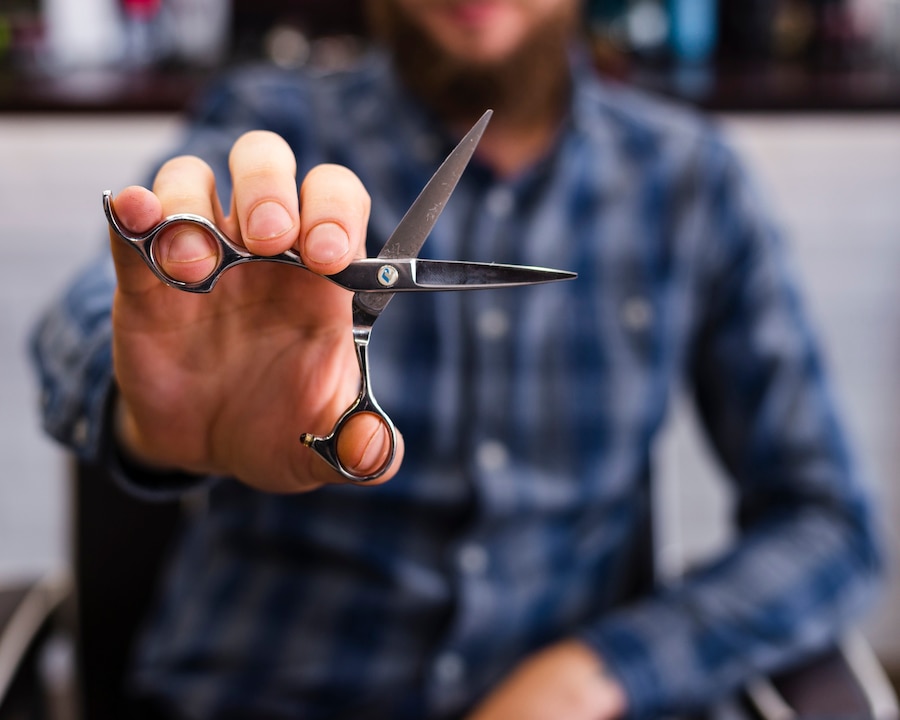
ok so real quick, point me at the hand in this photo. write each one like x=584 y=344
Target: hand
x=564 y=682
x=226 y=382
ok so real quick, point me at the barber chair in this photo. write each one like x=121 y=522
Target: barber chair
x=64 y=642
x=82 y=627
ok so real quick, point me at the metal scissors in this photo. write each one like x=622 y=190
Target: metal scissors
x=373 y=280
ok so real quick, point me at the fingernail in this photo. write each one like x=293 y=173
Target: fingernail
x=268 y=220
x=375 y=454
x=326 y=243
x=187 y=246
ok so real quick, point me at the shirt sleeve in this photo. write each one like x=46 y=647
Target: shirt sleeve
x=72 y=351
x=806 y=556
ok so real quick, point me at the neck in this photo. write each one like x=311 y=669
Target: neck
x=509 y=147
x=525 y=123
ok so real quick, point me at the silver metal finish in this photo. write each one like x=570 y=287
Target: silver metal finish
x=229 y=254
x=370 y=276
x=372 y=280
x=326 y=446
x=375 y=279
x=413 y=229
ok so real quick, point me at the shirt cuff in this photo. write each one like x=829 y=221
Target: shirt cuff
x=646 y=648
x=136 y=478
x=627 y=659
x=74 y=386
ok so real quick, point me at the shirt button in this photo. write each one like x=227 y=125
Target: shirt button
x=449 y=667
x=472 y=559
x=637 y=313
x=500 y=202
x=493 y=324
x=492 y=456
x=80 y=431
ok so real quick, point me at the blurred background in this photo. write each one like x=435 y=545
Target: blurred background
x=809 y=91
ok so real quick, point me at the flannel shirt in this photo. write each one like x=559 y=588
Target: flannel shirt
x=529 y=417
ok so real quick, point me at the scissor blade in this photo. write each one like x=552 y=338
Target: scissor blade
x=452 y=275
x=410 y=234
x=376 y=278
x=412 y=231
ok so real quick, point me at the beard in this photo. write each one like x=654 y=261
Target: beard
x=527 y=87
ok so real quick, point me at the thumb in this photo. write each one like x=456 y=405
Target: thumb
x=137 y=210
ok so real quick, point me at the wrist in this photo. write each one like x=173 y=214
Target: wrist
x=124 y=434
x=129 y=470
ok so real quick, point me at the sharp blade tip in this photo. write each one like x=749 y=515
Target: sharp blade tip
x=478 y=128
x=558 y=275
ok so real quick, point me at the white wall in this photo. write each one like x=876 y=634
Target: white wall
x=832 y=180
x=53 y=171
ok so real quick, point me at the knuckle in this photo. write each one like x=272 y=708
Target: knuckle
x=181 y=165
x=261 y=153
x=183 y=182
x=334 y=189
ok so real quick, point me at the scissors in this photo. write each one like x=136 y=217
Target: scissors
x=372 y=280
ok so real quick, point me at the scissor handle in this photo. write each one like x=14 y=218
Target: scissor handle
x=326 y=446
x=229 y=253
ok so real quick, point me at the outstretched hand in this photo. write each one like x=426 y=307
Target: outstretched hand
x=226 y=382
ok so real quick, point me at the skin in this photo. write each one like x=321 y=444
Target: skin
x=479 y=32
x=192 y=369
x=225 y=382
x=463 y=56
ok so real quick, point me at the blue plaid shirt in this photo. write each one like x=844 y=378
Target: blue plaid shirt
x=529 y=416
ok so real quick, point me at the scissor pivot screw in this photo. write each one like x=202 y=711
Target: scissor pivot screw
x=388 y=275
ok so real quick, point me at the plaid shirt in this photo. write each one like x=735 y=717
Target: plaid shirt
x=529 y=416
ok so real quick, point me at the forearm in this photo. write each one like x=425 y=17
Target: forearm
x=787 y=589
x=805 y=557
x=71 y=350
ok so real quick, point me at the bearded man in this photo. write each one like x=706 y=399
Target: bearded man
x=487 y=575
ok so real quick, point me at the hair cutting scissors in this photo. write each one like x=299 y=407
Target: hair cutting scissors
x=373 y=280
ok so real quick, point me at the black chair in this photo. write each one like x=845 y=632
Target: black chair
x=119 y=545
x=64 y=643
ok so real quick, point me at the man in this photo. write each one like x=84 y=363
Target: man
x=487 y=575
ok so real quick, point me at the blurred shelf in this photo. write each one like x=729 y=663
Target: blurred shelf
x=720 y=90
x=782 y=89
x=100 y=91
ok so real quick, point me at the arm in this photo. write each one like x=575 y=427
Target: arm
x=804 y=561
